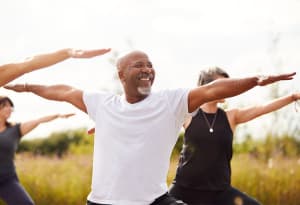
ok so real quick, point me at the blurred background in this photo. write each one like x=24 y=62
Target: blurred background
x=181 y=38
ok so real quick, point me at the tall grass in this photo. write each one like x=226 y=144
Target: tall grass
x=67 y=180
x=56 y=181
x=275 y=182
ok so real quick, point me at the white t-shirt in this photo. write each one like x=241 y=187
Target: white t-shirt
x=133 y=144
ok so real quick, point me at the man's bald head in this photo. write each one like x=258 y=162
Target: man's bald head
x=128 y=58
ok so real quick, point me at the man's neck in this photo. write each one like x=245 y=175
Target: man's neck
x=135 y=99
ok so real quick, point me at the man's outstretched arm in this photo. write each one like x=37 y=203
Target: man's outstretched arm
x=9 y=72
x=224 y=88
x=63 y=93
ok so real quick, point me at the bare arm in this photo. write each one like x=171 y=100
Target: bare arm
x=224 y=88
x=30 y=125
x=54 y=92
x=9 y=72
x=238 y=116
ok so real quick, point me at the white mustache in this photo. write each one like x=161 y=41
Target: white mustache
x=146 y=75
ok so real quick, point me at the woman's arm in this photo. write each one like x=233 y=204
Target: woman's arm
x=30 y=125
x=9 y=72
x=238 y=116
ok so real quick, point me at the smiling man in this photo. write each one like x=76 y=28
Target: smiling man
x=137 y=75
x=136 y=132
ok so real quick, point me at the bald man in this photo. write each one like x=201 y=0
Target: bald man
x=136 y=132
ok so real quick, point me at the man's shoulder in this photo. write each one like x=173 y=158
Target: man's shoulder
x=176 y=91
x=100 y=97
x=101 y=94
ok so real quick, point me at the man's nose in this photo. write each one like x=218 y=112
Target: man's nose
x=146 y=69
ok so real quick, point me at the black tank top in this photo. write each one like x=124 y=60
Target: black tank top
x=205 y=158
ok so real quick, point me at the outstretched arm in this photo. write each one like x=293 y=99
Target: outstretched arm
x=224 y=88
x=30 y=125
x=9 y=72
x=54 y=92
x=238 y=116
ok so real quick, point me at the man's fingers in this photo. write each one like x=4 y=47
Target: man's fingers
x=16 y=87
x=289 y=75
x=265 y=80
x=10 y=87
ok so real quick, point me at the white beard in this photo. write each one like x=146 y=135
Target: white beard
x=144 y=90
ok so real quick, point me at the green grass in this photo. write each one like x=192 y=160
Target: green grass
x=66 y=181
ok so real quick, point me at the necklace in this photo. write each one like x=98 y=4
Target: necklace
x=210 y=126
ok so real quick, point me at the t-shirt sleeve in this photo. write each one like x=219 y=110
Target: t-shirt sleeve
x=178 y=103
x=92 y=101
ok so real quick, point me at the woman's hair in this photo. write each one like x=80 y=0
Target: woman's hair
x=211 y=74
x=3 y=101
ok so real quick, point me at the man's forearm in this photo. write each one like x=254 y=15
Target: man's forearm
x=54 y=92
x=225 y=88
x=219 y=89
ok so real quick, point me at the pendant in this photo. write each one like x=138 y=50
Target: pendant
x=211 y=130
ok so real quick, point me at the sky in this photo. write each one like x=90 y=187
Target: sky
x=181 y=37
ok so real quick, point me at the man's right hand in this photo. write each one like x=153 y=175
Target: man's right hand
x=16 y=87
x=265 y=80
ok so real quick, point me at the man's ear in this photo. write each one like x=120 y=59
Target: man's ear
x=121 y=75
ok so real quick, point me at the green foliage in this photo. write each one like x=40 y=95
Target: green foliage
x=79 y=142
x=271 y=146
x=58 y=143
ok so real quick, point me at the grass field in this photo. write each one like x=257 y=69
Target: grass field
x=67 y=181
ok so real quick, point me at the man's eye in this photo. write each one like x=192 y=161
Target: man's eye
x=138 y=65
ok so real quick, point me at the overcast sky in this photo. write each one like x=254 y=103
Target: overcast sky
x=181 y=38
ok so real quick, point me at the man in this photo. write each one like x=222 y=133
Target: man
x=135 y=133
x=9 y=72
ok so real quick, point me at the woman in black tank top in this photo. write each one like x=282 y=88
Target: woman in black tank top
x=203 y=174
